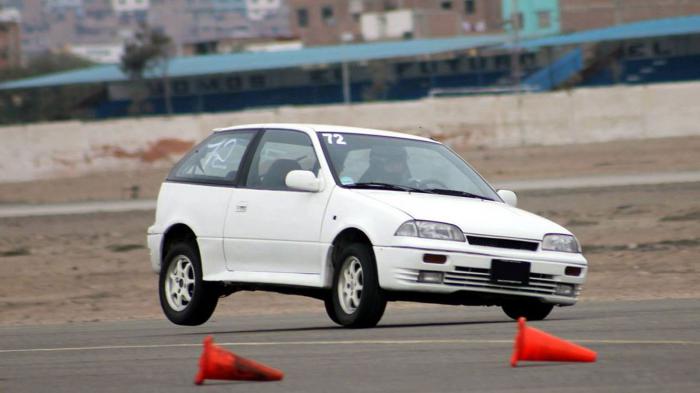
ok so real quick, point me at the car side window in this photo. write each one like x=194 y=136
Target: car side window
x=280 y=152
x=216 y=159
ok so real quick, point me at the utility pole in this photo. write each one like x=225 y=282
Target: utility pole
x=515 y=43
x=618 y=12
x=346 y=83
x=345 y=68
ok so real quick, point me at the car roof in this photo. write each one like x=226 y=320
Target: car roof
x=314 y=128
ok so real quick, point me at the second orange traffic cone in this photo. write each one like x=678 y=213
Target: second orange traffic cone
x=218 y=363
x=534 y=344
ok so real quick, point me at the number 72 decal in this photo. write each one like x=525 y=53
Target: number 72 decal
x=334 y=138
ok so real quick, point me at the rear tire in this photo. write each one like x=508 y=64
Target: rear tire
x=184 y=297
x=356 y=301
x=531 y=310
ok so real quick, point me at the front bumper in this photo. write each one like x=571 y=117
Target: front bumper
x=399 y=269
x=154 y=241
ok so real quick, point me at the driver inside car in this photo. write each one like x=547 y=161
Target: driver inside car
x=387 y=164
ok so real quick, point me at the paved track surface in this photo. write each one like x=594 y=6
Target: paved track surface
x=524 y=185
x=643 y=346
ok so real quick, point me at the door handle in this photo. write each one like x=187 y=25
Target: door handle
x=241 y=207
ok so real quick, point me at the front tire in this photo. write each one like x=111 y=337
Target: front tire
x=531 y=310
x=356 y=301
x=185 y=298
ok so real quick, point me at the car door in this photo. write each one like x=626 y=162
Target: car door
x=269 y=227
x=199 y=188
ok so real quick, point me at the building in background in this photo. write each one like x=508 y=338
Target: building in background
x=124 y=6
x=260 y=9
x=101 y=54
x=656 y=51
x=10 y=44
x=532 y=18
x=53 y=25
x=579 y=15
x=338 y=21
x=325 y=23
x=232 y=45
x=63 y=5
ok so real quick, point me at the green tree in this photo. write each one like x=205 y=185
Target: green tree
x=148 y=50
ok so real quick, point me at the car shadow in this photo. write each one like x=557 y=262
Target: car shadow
x=380 y=327
x=331 y=328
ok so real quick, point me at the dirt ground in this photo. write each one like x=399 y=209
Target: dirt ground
x=641 y=242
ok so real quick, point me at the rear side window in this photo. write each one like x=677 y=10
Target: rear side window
x=217 y=159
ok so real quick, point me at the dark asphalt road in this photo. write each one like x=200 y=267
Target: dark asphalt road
x=643 y=346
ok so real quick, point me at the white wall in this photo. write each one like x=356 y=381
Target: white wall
x=386 y=25
x=104 y=54
x=130 y=5
x=259 y=9
x=578 y=116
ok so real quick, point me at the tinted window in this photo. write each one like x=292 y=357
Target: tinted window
x=280 y=152
x=218 y=158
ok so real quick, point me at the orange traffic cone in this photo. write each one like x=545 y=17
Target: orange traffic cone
x=534 y=344
x=218 y=363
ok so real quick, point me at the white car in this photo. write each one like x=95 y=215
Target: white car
x=354 y=217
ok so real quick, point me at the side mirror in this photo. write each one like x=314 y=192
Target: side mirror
x=303 y=181
x=508 y=197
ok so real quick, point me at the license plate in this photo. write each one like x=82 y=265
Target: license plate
x=510 y=272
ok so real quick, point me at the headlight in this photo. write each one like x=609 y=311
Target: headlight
x=564 y=243
x=430 y=230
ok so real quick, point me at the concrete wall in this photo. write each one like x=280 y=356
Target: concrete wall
x=65 y=149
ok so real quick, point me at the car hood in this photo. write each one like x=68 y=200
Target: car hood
x=474 y=216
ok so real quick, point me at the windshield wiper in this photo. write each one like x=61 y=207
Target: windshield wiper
x=385 y=186
x=456 y=193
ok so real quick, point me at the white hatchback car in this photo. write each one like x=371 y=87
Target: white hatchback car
x=354 y=217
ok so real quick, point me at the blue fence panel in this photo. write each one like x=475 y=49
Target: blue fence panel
x=561 y=70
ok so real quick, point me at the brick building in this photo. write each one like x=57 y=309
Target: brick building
x=10 y=53
x=337 y=21
x=579 y=15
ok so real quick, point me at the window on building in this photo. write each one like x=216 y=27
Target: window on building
x=544 y=19
x=257 y=81
x=303 y=17
x=446 y=5
x=319 y=77
x=233 y=83
x=502 y=62
x=469 y=6
x=519 y=20
x=327 y=14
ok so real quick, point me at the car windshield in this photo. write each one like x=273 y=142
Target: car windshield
x=399 y=164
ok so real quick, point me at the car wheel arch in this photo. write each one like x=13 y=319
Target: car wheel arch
x=178 y=233
x=346 y=237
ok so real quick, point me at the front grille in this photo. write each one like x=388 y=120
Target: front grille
x=502 y=243
x=471 y=278
x=475 y=278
